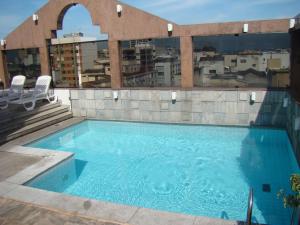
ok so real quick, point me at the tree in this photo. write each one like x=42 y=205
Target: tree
x=292 y=200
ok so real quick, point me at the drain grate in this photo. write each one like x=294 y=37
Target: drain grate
x=266 y=188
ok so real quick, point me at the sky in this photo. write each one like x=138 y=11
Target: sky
x=77 y=19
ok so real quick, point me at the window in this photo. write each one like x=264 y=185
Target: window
x=242 y=61
x=93 y=62
x=25 y=62
x=150 y=63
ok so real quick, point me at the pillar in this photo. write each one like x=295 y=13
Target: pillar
x=44 y=58
x=187 y=70
x=115 y=64
x=3 y=70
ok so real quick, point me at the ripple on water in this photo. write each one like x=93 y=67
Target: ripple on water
x=162 y=188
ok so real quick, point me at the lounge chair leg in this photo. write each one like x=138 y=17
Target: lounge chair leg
x=30 y=108
x=52 y=101
x=5 y=106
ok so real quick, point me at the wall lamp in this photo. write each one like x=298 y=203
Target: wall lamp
x=35 y=18
x=115 y=95
x=246 y=28
x=119 y=9
x=3 y=43
x=170 y=29
x=253 y=97
x=174 y=96
x=292 y=23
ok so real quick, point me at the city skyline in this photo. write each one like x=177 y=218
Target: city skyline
x=13 y=12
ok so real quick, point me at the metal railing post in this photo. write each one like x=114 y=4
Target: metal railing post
x=250 y=207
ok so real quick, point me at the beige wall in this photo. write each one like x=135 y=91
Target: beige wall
x=132 y=24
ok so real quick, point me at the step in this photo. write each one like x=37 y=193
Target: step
x=11 y=115
x=18 y=108
x=36 y=126
x=18 y=123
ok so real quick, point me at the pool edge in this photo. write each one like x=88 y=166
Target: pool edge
x=13 y=188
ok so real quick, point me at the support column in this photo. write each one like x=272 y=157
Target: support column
x=187 y=70
x=44 y=58
x=3 y=70
x=115 y=64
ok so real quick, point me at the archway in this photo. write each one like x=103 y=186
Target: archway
x=68 y=22
x=79 y=55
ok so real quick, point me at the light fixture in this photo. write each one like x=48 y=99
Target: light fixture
x=285 y=102
x=170 y=27
x=3 y=43
x=253 y=97
x=297 y=124
x=119 y=9
x=292 y=23
x=174 y=96
x=246 y=28
x=35 y=17
x=115 y=95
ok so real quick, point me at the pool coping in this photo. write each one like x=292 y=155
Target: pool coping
x=13 y=188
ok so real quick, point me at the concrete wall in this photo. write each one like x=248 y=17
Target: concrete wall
x=63 y=95
x=197 y=106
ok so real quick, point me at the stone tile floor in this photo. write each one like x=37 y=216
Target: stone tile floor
x=17 y=213
x=11 y=163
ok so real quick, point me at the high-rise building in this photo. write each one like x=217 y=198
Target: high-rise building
x=71 y=56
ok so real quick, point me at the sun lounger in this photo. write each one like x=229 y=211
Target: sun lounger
x=15 y=91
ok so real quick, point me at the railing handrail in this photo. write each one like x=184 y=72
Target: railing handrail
x=250 y=207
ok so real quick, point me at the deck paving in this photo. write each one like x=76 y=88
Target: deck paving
x=11 y=163
x=18 y=213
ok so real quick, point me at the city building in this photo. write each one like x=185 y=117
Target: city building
x=168 y=70
x=79 y=61
x=243 y=69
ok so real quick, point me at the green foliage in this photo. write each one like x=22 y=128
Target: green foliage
x=292 y=200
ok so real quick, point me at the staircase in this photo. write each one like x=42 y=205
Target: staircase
x=16 y=122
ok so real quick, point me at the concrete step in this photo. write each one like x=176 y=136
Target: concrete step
x=35 y=126
x=27 y=120
x=12 y=115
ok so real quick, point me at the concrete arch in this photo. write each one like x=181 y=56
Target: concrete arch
x=62 y=14
x=133 y=24
x=64 y=11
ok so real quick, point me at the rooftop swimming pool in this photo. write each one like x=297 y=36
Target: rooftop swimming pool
x=190 y=169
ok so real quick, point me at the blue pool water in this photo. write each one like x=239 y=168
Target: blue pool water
x=197 y=170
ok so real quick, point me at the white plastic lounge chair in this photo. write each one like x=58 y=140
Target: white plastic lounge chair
x=15 y=91
x=40 y=91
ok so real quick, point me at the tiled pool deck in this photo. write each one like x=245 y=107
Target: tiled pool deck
x=58 y=205
x=20 y=213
